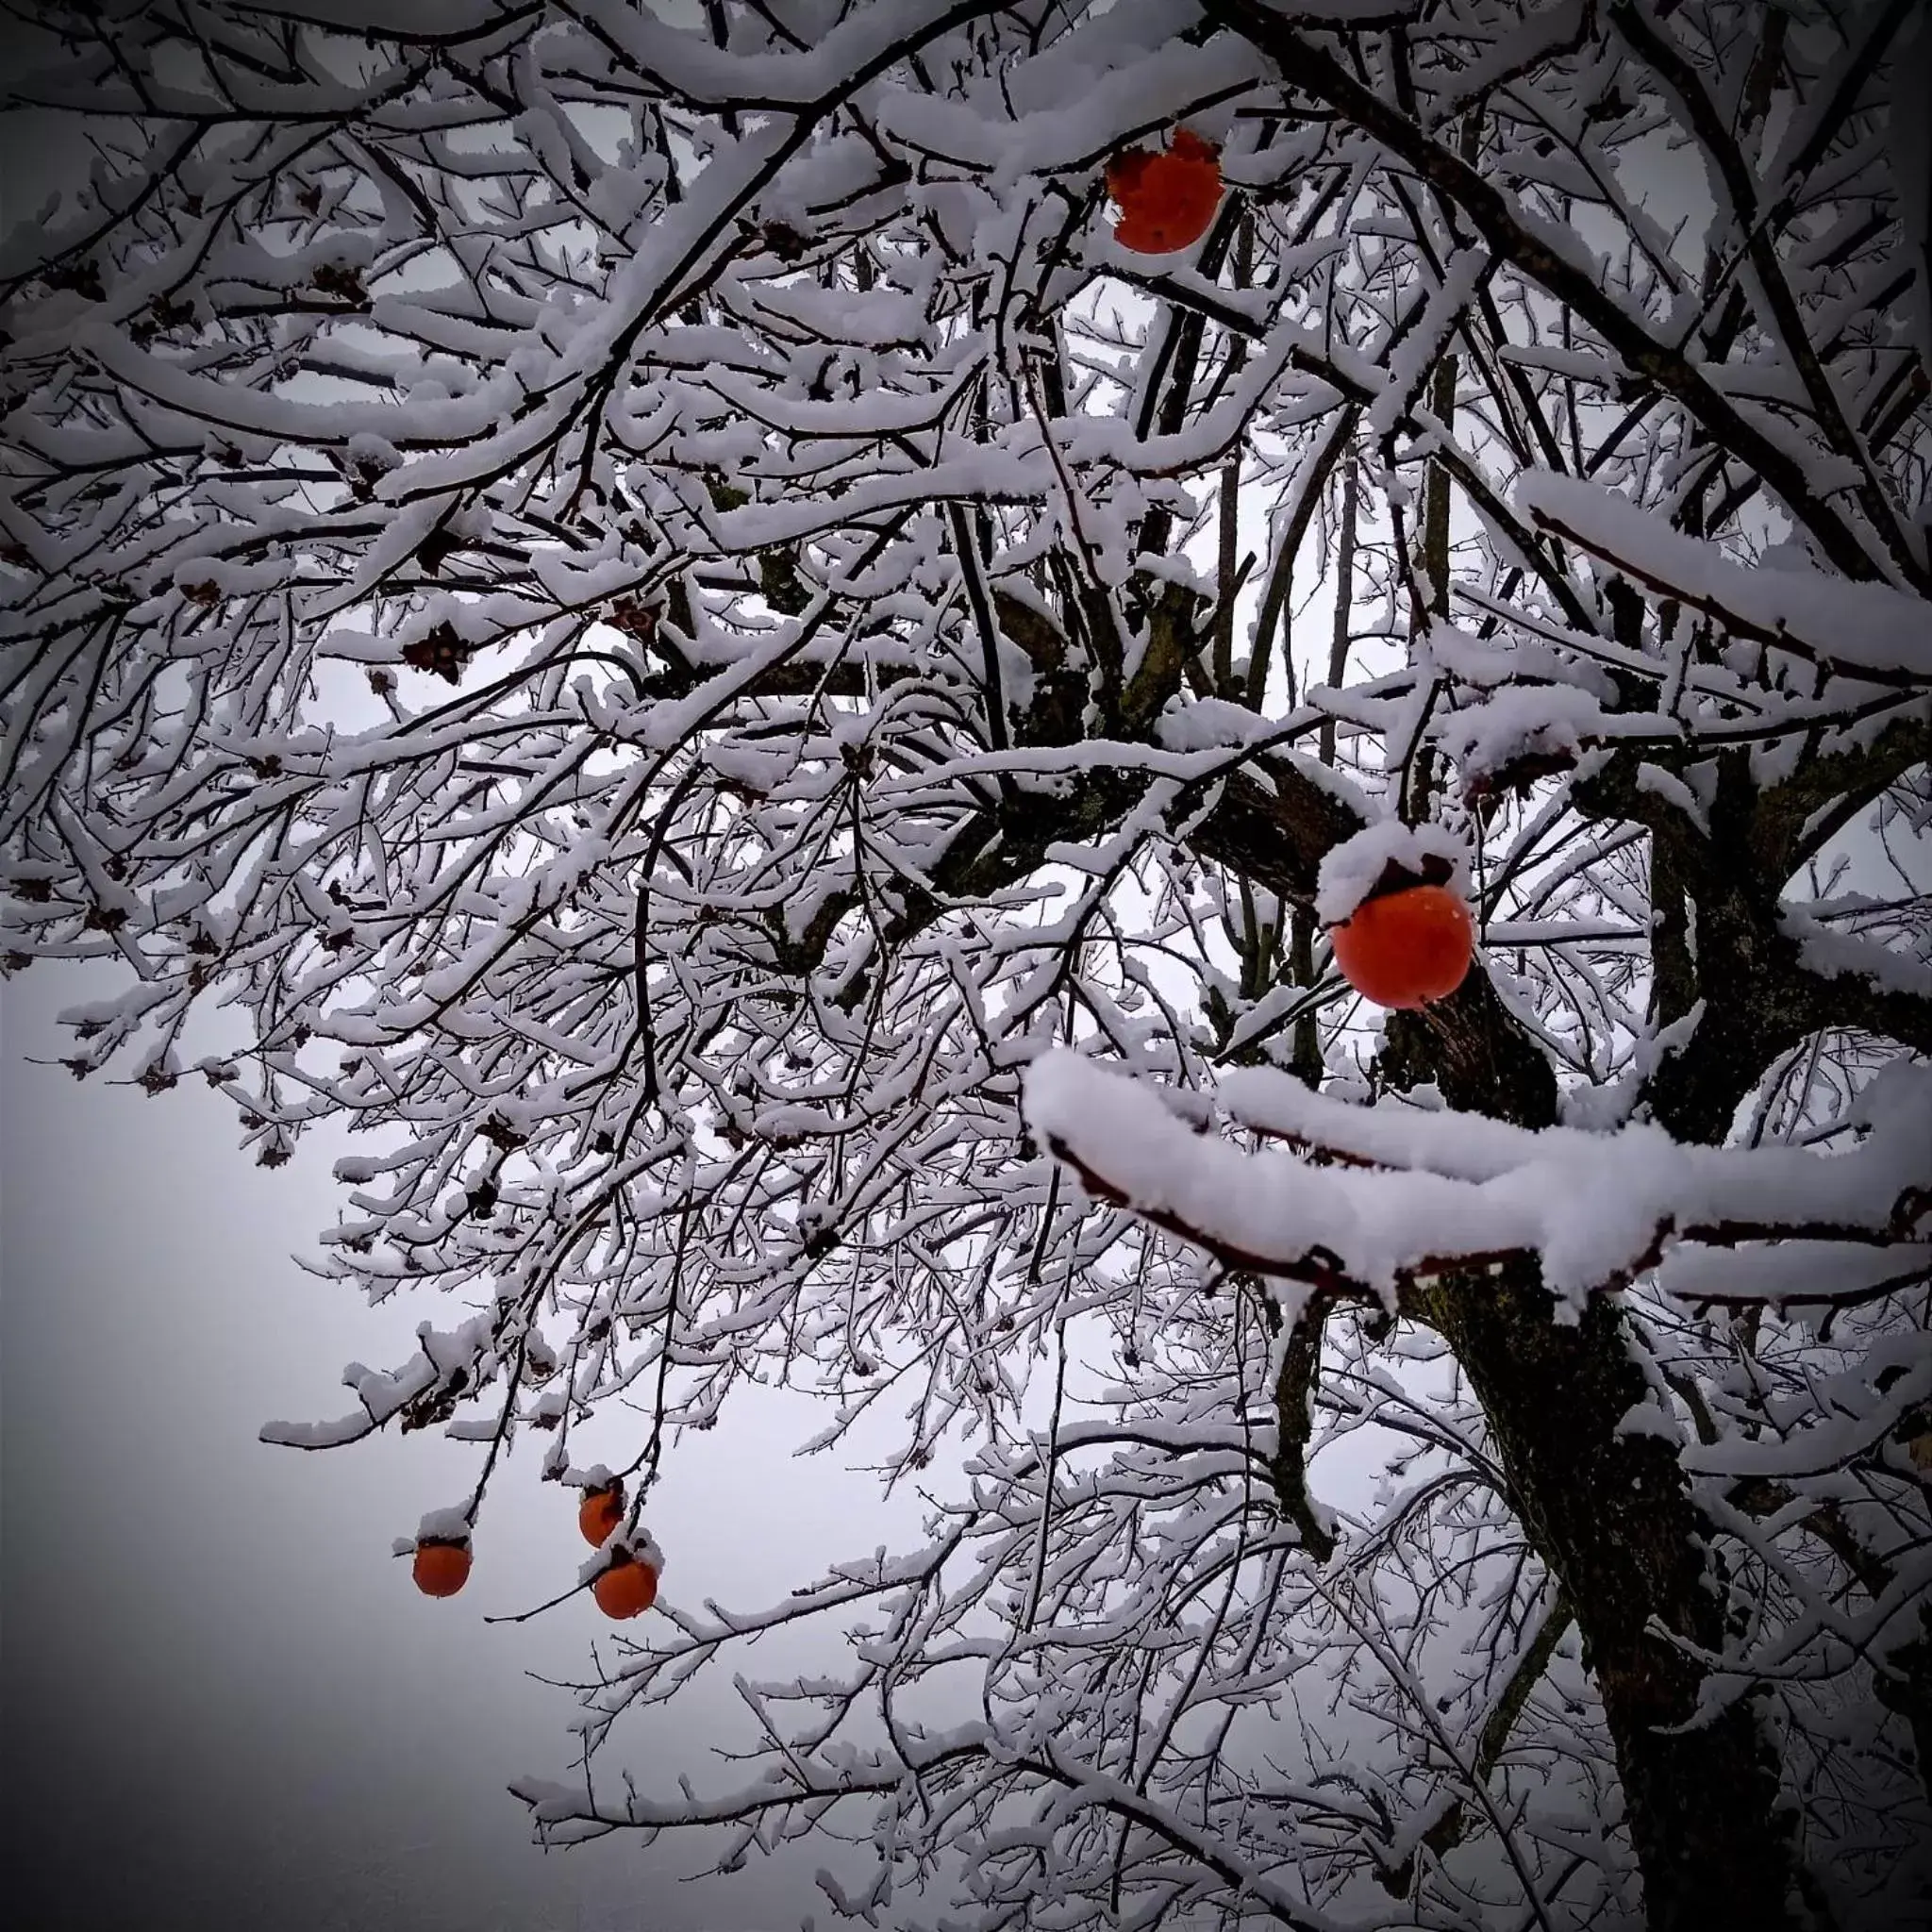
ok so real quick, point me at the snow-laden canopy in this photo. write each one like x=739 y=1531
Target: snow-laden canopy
x=668 y=628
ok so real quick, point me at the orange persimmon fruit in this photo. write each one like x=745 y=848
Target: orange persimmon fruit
x=1405 y=948
x=1167 y=200
x=441 y=1566
x=627 y=1589
x=600 y=1512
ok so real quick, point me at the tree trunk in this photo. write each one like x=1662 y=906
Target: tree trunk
x=1609 y=1514
x=1611 y=1517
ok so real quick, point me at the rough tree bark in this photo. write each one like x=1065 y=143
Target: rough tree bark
x=1609 y=1514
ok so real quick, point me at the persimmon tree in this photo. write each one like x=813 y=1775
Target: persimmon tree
x=705 y=656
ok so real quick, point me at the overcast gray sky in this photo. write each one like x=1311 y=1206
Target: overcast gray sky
x=223 y=1702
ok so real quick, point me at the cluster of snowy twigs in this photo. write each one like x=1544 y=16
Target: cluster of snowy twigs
x=704 y=658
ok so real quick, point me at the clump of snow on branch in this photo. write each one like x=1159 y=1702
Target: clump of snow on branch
x=1351 y=870
x=1433 y=1191
x=446 y=1526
